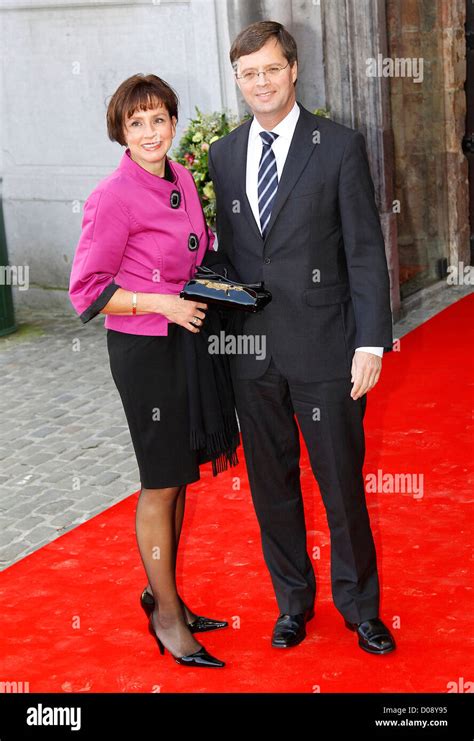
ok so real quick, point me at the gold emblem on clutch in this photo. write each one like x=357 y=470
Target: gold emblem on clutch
x=218 y=286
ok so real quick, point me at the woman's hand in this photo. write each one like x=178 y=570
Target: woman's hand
x=180 y=311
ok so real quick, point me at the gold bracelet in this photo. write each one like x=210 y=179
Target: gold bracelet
x=134 y=303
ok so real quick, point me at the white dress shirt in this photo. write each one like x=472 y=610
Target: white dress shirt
x=285 y=130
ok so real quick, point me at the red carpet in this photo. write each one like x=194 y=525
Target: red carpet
x=71 y=615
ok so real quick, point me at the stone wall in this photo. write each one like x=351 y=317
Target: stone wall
x=428 y=121
x=62 y=61
x=354 y=31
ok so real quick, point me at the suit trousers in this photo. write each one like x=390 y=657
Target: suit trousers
x=331 y=424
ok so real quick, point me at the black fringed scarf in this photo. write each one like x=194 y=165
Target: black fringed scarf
x=214 y=430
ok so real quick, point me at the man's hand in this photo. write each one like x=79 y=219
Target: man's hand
x=365 y=372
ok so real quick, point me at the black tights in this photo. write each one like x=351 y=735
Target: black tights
x=159 y=519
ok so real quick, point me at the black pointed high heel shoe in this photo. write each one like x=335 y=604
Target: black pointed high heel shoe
x=199 y=625
x=200 y=658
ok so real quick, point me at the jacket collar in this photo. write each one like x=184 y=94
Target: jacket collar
x=155 y=182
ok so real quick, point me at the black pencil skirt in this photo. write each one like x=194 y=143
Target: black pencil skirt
x=150 y=376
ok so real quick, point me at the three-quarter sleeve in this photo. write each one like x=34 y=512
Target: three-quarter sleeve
x=99 y=253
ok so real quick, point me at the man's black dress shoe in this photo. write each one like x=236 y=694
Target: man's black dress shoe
x=290 y=630
x=199 y=625
x=374 y=636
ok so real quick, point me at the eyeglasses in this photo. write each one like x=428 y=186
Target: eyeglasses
x=271 y=72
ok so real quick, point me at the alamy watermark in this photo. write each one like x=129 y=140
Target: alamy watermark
x=395 y=67
x=43 y=715
x=229 y=344
x=395 y=483
x=15 y=275
x=460 y=275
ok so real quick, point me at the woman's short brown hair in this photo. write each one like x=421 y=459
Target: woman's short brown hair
x=139 y=92
x=256 y=35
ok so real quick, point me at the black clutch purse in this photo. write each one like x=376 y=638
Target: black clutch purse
x=210 y=287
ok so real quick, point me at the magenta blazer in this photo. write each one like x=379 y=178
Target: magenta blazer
x=142 y=233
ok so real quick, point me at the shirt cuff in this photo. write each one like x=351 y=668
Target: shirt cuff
x=99 y=303
x=375 y=350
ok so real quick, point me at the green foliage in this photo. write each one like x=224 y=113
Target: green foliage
x=192 y=151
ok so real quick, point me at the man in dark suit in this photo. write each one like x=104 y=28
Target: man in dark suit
x=296 y=209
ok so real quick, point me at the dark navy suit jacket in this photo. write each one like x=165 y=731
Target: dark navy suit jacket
x=323 y=258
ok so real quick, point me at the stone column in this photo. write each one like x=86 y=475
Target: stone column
x=453 y=44
x=353 y=32
x=428 y=120
x=241 y=13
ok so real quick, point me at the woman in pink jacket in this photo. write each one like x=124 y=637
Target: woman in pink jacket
x=143 y=234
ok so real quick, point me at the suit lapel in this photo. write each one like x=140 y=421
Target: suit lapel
x=239 y=155
x=301 y=147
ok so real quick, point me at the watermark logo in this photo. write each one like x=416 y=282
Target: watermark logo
x=395 y=483
x=14 y=687
x=228 y=344
x=43 y=715
x=460 y=275
x=460 y=686
x=395 y=67
x=15 y=275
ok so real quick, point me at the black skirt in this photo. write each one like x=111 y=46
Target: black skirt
x=149 y=374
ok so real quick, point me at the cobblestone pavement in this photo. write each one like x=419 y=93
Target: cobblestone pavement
x=65 y=448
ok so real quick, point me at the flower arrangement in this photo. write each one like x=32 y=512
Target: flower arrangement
x=192 y=151
x=194 y=145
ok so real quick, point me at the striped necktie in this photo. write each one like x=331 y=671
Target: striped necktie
x=267 y=179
